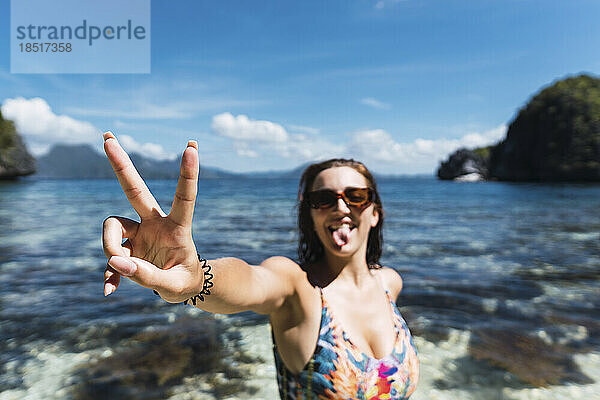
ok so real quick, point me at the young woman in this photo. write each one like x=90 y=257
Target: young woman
x=336 y=330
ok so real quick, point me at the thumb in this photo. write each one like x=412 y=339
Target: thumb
x=140 y=271
x=123 y=265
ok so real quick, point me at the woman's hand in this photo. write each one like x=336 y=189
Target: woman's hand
x=159 y=252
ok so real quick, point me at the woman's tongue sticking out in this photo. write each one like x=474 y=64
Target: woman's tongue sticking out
x=341 y=235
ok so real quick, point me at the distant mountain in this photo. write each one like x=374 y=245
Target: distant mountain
x=73 y=161
x=83 y=162
x=295 y=173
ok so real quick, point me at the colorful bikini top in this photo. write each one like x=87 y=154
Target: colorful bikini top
x=339 y=370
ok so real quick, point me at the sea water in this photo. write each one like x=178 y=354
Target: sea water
x=495 y=275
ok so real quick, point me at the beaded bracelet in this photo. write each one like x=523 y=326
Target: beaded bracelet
x=205 y=286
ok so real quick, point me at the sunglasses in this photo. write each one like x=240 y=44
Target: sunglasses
x=355 y=197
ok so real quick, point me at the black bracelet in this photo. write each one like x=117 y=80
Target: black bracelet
x=205 y=286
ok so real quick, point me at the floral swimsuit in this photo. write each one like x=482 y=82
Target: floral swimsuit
x=339 y=370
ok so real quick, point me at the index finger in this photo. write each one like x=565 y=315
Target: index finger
x=182 y=211
x=132 y=183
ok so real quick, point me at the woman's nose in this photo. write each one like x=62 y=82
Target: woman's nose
x=342 y=206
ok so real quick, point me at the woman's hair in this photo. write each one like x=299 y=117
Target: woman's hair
x=310 y=248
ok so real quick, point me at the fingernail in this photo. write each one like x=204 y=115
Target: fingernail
x=193 y=144
x=108 y=289
x=123 y=265
x=108 y=135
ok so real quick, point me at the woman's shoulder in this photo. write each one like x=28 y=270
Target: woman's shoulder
x=280 y=261
x=287 y=269
x=390 y=278
x=284 y=266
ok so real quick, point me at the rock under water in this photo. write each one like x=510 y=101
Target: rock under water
x=152 y=363
x=531 y=359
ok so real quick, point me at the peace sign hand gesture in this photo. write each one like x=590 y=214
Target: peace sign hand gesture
x=159 y=252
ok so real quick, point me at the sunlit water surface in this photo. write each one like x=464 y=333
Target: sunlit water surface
x=522 y=258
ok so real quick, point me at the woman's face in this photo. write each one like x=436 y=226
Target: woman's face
x=342 y=229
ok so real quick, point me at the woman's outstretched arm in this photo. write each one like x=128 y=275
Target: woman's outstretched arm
x=158 y=252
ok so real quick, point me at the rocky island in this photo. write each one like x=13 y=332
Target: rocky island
x=15 y=160
x=554 y=138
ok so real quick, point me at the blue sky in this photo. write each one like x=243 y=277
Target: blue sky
x=268 y=85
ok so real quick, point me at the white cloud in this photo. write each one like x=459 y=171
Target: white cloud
x=488 y=137
x=242 y=128
x=378 y=148
x=242 y=149
x=371 y=102
x=304 y=129
x=151 y=150
x=252 y=138
x=421 y=155
x=378 y=144
x=307 y=148
x=41 y=127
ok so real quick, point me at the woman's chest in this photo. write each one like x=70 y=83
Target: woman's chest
x=338 y=368
x=366 y=326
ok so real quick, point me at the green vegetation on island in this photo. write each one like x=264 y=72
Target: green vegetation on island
x=555 y=137
x=15 y=160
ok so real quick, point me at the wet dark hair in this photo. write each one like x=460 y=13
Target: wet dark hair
x=310 y=248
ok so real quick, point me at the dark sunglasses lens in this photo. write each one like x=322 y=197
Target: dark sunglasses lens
x=322 y=199
x=357 y=197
